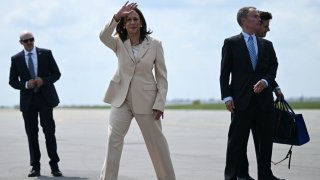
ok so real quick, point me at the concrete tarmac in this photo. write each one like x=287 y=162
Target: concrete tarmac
x=197 y=141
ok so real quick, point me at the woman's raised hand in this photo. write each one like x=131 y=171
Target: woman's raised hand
x=125 y=10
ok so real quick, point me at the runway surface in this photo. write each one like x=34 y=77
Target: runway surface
x=197 y=141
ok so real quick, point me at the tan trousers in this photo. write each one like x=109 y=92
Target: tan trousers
x=119 y=122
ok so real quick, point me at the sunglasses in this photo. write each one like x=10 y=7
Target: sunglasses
x=27 y=40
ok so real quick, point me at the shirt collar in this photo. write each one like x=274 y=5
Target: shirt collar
x=33 y=51
x=246 y=36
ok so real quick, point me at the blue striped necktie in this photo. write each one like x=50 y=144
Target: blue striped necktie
x=32 y=71
x=252 y=52
x=31 y=66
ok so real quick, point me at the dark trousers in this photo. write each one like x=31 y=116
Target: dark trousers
x=243 y=170
x=241 y=122
x=39 y=107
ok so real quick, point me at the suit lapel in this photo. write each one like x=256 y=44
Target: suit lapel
x=260 y=47
x=22 y=62
x=129 y=50
x=144 y=48
x=40 y=61
x=243 y=44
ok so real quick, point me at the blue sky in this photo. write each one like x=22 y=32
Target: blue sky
x=192 y=33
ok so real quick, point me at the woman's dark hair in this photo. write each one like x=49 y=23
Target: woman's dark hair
x=123 y=34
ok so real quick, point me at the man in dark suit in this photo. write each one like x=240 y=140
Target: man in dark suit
x=243 y=171
x=33 y=71
x=248 y=96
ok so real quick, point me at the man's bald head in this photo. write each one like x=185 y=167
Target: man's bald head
x=27 y=40
x=26 y=35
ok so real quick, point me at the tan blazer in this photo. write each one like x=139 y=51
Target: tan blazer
x=147 y=73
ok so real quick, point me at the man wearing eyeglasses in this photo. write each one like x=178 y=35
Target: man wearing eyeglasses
x=34 y=71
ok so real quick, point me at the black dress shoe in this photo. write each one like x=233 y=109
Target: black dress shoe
x=271 y=178
x=245 y=178
x=275 y=178
x=34 y=173
x=248 y=178
x=56 y=173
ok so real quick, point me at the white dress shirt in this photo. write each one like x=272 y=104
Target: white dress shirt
x=34 y=60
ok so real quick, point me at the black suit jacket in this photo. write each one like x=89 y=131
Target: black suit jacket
x=269 y=47
x=274 y=84
x=47 y=69
x=236 y=63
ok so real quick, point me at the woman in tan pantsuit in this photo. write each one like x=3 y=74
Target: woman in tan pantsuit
x=135 y=91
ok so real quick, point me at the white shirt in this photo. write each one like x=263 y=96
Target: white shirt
x=34 y=60
x=135 y=50
x=246 y=38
